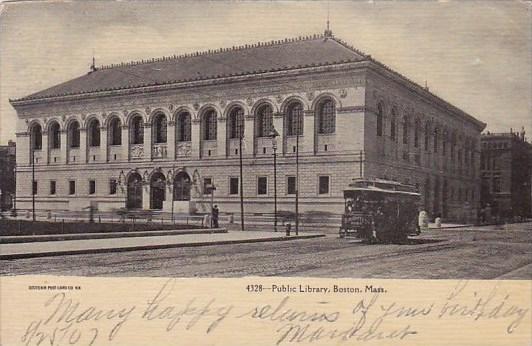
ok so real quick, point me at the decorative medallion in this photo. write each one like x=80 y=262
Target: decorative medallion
x=171 y=107
x=310 y=95
x=125 y=112
x=279 y=99
x=196 y=106
x=223 y=103
x=343 y=93
x=83 y=116
x=148 y=110
x=63 y=117
x=45 y=121
x=249 y=101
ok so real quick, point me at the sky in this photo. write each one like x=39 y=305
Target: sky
x=475 y=55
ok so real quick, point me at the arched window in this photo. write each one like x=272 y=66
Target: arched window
x=380 y=115
x=416 y=134
x=427 y=135
x=54 y=136
x=136 y=130
x=326 y=117
x=94 y=133
x=159 y=128
x=264 y=120
x=436 y=131
x=405 y=130
x=393 y=129
x=73 y=134
x=294 y=119
x=183 y=127
x=236 y=123
x=36 y=137
x=444 y=143
x=209 y=125
x=115 y=132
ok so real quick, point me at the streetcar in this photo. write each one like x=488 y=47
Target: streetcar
x=380 y=210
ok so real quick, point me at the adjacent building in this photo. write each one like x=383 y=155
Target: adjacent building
x=506 y=169
x=157 y=134
x=7 y=175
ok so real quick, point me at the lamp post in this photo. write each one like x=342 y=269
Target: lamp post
x=297 y=176
x=240 y=137
x=33 y=180
x=14 y=213
x=170 y=182
x=274 y=134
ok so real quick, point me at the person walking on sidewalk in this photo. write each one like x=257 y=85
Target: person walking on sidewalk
x=215 y=213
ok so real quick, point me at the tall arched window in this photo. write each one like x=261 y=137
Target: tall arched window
x=136 y=130
x=427 y=135
x=73 y=134
x=94 y=133
x=36 y=137
x=115 y=132
x=436 y=135
x=380 y=115
x=294 y=119
x=236 y=123
x=264 y=120
x=393 y=129
x=444 y=143
x=326 y=117
x=416 y=134
x=210 y=125
x=405 y=129
x=183 y=127
x=159 y=128
x=54 y=136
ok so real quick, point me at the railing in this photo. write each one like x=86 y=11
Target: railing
x=234 y=147
x=159 y=151
x=39 y=157
x=184 y=149
x=326 y=142
x=136 y=151
x=209 y=148
x=74 y=155
x=55 y=156
x=93 y=154
x=114 y=153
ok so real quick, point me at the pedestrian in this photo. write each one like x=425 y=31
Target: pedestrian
x=215 y=213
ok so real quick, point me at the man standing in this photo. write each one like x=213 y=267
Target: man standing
x=215 y=212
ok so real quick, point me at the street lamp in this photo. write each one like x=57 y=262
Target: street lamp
x=240 y=137
x=14 y=213
x=33 y=180
x=297 y=174
x=274 y=134
x=170 y=181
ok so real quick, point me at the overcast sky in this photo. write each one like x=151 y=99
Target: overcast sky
x=476 y=55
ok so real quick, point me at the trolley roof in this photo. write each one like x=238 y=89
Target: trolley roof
x=382 y=186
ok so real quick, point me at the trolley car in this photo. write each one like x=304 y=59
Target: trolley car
x=380 y=210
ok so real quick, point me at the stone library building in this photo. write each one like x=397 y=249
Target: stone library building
x=157 y=134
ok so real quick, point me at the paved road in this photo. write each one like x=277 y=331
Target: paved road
x=475 y=253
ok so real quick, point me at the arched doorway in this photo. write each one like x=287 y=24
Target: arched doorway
x=134 y=191
x=157 y=190
x=182 y=187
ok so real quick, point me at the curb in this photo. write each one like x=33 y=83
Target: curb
x=153 y=247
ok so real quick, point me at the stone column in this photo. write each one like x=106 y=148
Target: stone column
x=82 y=145
x=147 y=141
x=279 y=126
x=170 y=136
x=64 y=146
x=249 y=136
x=195 y=138
x=45 y=149
x=308 y=132
x=103 y=144
x=221 y=137
x=124 y=155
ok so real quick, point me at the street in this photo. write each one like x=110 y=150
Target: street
x=486 y=252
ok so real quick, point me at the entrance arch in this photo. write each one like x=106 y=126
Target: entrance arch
x=134 y=191
x=157 y=190
x=182 y=187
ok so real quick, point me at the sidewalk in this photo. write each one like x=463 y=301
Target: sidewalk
x=88 y=246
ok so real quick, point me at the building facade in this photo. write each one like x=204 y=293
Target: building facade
x=154 y=134
x=7 y=175
x=506 y=169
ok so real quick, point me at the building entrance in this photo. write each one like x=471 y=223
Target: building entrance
x=157 y=190
x=182 y=187
x=134 y=191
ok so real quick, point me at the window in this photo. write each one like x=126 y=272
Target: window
x=94 y=133
x=34 y=187
x=71 y=187
x=209 y=125
x=159 y=128
x=393 y=125
x=236 y=123
x=52 y=187
x=380 y=114
x=136 y=130
x=436 y=140
x=54 y=136
x=207 y=184
x=294 y=119
x=326 y=117
x=323 y=187
x=73 y=134
x=427 y=136
x=262 y=186
x=264 y=121
x=416 y=134
x=36 y=137
x=233 y=186
x=405 y=130
x=92 y=187
x=183 y=127
x=115 y=132
x=112 y=186
x=291 y=185
x=496 y=184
